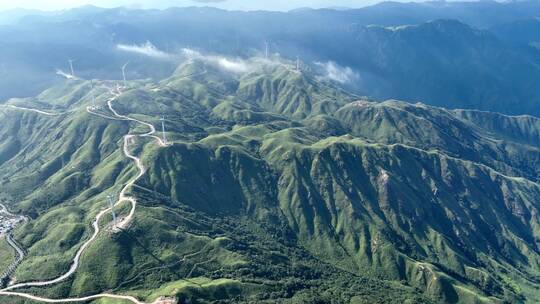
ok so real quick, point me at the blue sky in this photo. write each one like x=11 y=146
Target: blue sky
x=226 y=4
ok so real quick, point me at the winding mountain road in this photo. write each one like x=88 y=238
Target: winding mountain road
x=95 y=225
x=90 y=110
x=71 y=300
x=18 y=249
x=32 y=110
x=150 y=126
x=13 y=244
x=142 y=170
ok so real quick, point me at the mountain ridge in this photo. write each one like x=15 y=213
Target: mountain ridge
x=490 y=63
x=277 y=198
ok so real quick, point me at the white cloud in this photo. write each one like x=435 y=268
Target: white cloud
x=147 y=49
x=231 y=65
x=335 y=72
x=64 y=74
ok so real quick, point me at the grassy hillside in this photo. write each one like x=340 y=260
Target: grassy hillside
x=277 y=187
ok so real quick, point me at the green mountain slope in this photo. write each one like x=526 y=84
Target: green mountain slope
x=277 y=187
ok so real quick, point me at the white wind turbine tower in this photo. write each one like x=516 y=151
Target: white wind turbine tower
x=111 y=203
x=266 y=48
x=71 y=67
x=124 y=73
x=298 y=63
x=93 y=95
x=163 y=129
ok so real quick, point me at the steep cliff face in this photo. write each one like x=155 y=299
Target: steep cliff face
x=393 y=211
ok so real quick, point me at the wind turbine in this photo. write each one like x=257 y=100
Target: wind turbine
x=163 y=129
x=298 y=63
x=71 y=67
x=266 y=49
x=111 y=203
x=92 y=92
x=124 y=73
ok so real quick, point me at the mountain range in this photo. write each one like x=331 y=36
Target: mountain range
x=473 y=55
x=275 y=185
